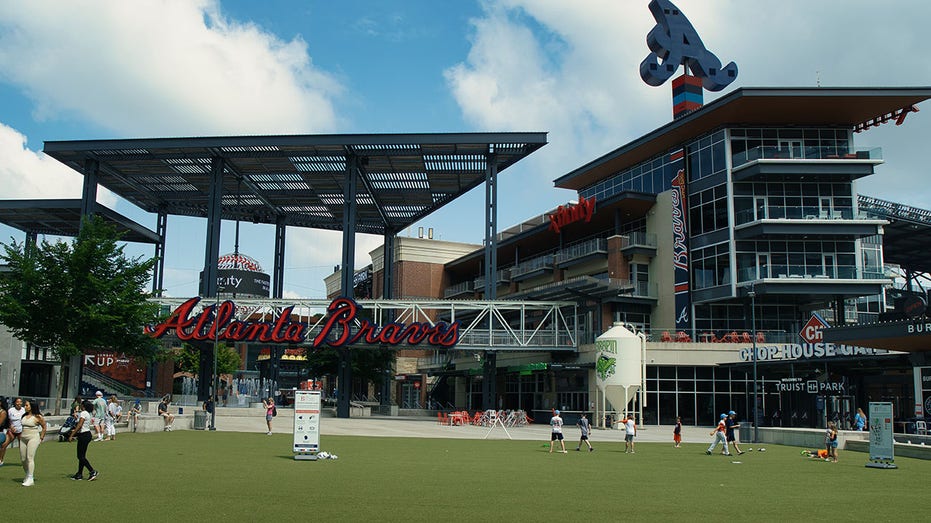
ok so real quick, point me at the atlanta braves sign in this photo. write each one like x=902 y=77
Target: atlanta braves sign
x=342 y=327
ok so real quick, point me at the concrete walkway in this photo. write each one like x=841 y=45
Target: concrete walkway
x=421 y=427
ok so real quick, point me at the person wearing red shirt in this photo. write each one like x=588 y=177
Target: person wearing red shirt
x=718 y=434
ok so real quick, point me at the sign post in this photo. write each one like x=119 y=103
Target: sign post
x=882 y=444
x=306 y=424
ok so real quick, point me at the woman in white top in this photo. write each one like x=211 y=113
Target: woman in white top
x=33 y=433
x=83 y=431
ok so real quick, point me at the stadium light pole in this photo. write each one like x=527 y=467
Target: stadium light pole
x=756 y=413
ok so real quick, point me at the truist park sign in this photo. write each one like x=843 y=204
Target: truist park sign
x=341 y=327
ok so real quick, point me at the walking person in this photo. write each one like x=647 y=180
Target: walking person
x=859 y=420
x=585 y=428
x=83 y=432
x=33 y=432
x=677 y=432
x=270 y=412
x=15 y=425
x=719 y=437
x=100 y=415
x=556 y=432
x=730 y=425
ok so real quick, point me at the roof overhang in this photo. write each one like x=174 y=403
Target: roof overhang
x=814 y=106
x=63 y=218
x=907 y=335
x=299 y=180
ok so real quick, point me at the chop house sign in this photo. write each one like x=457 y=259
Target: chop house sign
x=341 y=328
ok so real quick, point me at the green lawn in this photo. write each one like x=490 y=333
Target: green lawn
x=228 y=476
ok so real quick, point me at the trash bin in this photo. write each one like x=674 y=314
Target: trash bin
x=200 y=420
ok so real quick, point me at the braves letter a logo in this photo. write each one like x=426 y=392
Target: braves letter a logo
x=675 y=42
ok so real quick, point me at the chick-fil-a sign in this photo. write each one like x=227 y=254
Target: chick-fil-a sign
x=341 y=328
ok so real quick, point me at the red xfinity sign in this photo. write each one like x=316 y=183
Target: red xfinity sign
x=811 y=331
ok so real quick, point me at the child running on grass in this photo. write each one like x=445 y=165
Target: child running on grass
x=677 y=432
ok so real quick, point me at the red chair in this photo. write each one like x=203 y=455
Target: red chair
x=666 y=336
x=745 y=338
x=760 y=337
x=683 y=337
x=442 y=418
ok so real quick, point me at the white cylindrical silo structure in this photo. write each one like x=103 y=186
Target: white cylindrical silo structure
x=619 y=366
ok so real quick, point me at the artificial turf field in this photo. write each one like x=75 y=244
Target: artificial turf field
x=228 y=476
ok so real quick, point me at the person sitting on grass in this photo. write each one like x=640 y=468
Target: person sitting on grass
x=167 y=417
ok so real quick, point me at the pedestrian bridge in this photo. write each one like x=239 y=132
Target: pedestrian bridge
x=501 y=325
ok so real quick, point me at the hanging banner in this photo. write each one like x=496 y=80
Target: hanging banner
x=306 y=423
x=680 y=238
x=881 y=442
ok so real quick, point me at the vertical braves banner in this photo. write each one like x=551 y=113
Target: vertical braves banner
x=680 y=249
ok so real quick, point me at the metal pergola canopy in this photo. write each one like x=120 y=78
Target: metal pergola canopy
x=63 y=218
x=299 y=179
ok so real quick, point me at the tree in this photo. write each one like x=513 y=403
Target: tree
x=84 y=296
x=188 y=359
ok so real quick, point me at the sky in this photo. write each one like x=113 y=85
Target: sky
x=111 y=69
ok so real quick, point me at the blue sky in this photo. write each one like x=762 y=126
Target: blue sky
x=82 y=69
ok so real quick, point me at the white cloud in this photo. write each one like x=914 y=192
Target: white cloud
x=571 y=68
x=27 y=174
x=161 y=67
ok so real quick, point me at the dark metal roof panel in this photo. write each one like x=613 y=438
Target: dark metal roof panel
x=404 y=176
x=829 y=106
x=63 y=218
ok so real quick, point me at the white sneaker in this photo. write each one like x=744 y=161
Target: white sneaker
x=28 y=482
x=269 y=433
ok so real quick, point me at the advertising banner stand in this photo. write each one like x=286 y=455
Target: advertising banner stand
x=306 y=424
x=882 y=444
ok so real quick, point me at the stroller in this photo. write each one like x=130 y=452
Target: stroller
x=67 y=427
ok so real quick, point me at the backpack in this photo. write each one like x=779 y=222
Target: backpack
x=274 y=411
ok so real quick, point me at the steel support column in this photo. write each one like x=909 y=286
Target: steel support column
x=214 y=215
x=158 y=278
x=89 y=194
x=490 y=369
x=344 y=380
x=278 y=270
x=388 y=293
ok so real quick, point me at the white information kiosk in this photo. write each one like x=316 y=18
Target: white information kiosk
x=306 y=424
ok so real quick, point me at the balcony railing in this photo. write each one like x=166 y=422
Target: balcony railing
x=532 y=265
x=840 y=272
x=804 y=153
x=501 y=276
x=457 y=289
x=778 y=212
x=581 y=250
x=644 y=289
x=640 y=239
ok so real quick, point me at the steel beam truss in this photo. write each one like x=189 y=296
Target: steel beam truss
x=484 y=325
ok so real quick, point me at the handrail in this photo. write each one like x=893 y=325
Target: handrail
x=788 y=153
